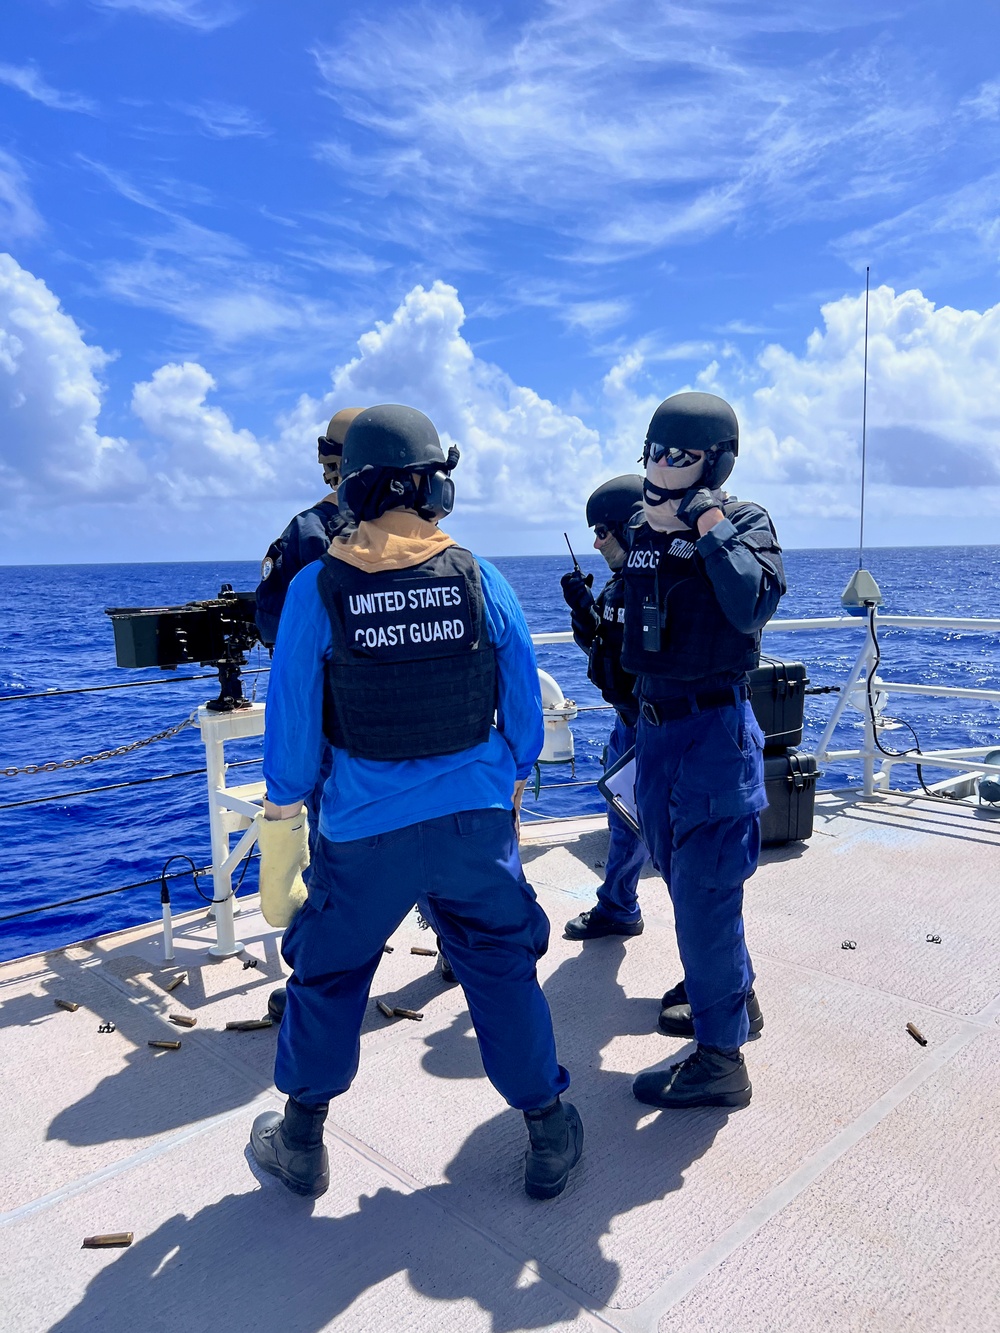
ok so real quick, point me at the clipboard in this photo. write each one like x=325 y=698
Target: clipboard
x=617 y=786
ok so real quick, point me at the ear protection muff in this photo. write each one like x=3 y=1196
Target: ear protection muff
x=719 y=463
x=369 y=492
x=435 y=497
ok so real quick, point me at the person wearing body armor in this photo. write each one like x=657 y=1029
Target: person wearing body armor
x=413 y=660
x=599 y=628
x=702 y=578
x=307 y=535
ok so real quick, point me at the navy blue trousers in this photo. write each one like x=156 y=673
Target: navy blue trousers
x=699 y=788
x=626 y=851
x=314 y=802
x=468 y=869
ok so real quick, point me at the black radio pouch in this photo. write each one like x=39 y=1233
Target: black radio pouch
x=652 y=620
x=650 y=626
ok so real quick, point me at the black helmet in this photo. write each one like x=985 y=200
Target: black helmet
x=697 y=421
x=616 y=503
x=383 y=448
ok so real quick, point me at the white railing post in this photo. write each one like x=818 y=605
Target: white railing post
x=225 y=811
x=857 y=670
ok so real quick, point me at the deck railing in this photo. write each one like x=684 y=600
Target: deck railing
x=854 y=692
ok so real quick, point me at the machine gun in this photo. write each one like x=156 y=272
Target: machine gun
x=217 y=632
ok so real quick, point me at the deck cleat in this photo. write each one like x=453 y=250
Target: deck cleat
x=556 y=1142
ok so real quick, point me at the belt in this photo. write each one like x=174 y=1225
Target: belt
x=671 y=710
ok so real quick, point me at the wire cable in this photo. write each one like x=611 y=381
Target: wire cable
x=124 y=888
x=125 y=685
x=117 y=786
x=890 y=754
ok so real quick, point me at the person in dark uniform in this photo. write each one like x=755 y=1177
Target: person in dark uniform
x=412 y=660
x=307 y=535
x=599 y=628
x=305 y=539
x=702 y=578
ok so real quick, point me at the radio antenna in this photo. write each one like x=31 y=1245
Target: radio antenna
x=862 y=592
x=864 y=428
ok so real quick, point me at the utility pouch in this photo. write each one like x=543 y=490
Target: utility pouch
x=651 y=631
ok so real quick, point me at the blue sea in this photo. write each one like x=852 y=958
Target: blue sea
x=55 y=636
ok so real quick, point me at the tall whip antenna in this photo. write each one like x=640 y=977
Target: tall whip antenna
x=864 y=429
x=862 y=594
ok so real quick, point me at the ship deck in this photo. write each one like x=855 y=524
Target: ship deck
x=859 y=1191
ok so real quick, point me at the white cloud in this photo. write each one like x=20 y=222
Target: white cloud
x=27 y=79
x=209 y=279
x=986 y=103
x=222 y=120
x=200 y=14
x=527 y=464
x=523 y=457
x=953 y=233
x=18 y=216
x=933 y=418
x=50 y=400
x=628 y=124
x=201 y=453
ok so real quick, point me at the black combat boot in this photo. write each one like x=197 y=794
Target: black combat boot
x=675 y=1016
x=291 y=1147
x=276 y=1002
x=593 y=925
x=556 y=1134
x=706 y=1078
x=444 y=968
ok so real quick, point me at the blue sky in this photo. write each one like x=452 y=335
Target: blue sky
x=223 y=221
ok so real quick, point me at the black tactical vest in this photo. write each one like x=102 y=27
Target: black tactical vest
x=674 y=625
x=412 y=673
x=604 y=665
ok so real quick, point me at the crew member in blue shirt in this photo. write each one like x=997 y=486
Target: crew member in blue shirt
x=702 y=578
x=613 y=511
x=411 y=658
x=306 y=539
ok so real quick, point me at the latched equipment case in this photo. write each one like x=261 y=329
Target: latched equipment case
x=790 y=780
x=777 y=696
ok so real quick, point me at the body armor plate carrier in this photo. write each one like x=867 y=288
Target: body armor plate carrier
x=412 y=672
x=604 y=664
x=674 y=625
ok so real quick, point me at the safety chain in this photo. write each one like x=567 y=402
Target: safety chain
x=52 y=766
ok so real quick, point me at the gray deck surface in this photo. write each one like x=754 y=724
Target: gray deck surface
x=859 y=1191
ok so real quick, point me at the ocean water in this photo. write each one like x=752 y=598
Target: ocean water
x=55 y=635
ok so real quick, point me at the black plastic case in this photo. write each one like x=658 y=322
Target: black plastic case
x=777 y=696
x=790 y=780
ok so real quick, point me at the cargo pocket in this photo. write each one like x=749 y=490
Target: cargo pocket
x=722 y=774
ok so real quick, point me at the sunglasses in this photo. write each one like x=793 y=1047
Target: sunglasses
x=601 y=531
x=668 y=457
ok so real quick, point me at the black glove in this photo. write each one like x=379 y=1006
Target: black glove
x=697 y=500
x=576 y=588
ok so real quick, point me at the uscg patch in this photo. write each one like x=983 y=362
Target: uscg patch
x=409 y=618
x=266 y=568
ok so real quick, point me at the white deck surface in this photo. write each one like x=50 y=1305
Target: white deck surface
x=859 y=1191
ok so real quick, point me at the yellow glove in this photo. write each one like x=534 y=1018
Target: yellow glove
x=284 y=854
x=517 y=799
